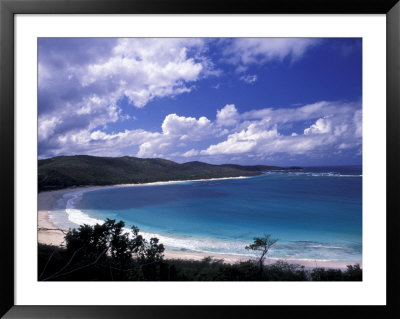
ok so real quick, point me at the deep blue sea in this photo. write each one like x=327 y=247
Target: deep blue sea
x=315 y=213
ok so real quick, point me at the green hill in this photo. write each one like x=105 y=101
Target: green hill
x=82 y=170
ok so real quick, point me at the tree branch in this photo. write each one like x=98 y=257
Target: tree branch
x=59 y=229
x=45 y=266
x=79 y=268
x=48 y=260
x=67 y=264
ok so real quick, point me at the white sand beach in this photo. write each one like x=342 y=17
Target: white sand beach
x=46 y=234
x=51 y=234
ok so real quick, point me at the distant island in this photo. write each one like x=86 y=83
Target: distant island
x=84 y=170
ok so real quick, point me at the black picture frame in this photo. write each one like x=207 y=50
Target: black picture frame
x=9 y=8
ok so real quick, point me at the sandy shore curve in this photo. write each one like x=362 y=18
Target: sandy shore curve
x=51 y=234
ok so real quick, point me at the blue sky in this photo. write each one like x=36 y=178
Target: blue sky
x=280 y=101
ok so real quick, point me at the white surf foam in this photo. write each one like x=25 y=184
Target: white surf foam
x=311 y=174
x=76 y=216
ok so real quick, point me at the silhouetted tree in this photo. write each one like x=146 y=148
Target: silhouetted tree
x=108 y=239
x=354 y=273
x=108 y=246
x=262 y=244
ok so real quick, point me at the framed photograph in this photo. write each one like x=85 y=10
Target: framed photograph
x=174 y=159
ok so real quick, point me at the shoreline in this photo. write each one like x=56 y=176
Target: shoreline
x=95 y=187
x=51 y=234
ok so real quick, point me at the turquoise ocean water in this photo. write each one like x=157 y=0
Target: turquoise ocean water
x=316 y=213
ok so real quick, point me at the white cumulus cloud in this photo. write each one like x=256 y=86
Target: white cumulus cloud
x=144 y=69
x=187 y=127
x=257 y=134
x=321 y=126
x=246 y=51
x=228 y=115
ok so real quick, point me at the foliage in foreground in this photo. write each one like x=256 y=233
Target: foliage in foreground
x=107 y=253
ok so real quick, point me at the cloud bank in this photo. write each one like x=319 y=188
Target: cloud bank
x=335 y=127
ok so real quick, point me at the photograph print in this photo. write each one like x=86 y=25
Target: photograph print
x=199 y=159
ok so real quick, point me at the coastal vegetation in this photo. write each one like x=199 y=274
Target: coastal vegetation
x=83 y=170
x=108 y=253
x=262 y=244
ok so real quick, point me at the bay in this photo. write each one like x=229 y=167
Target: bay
x=316 y=213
